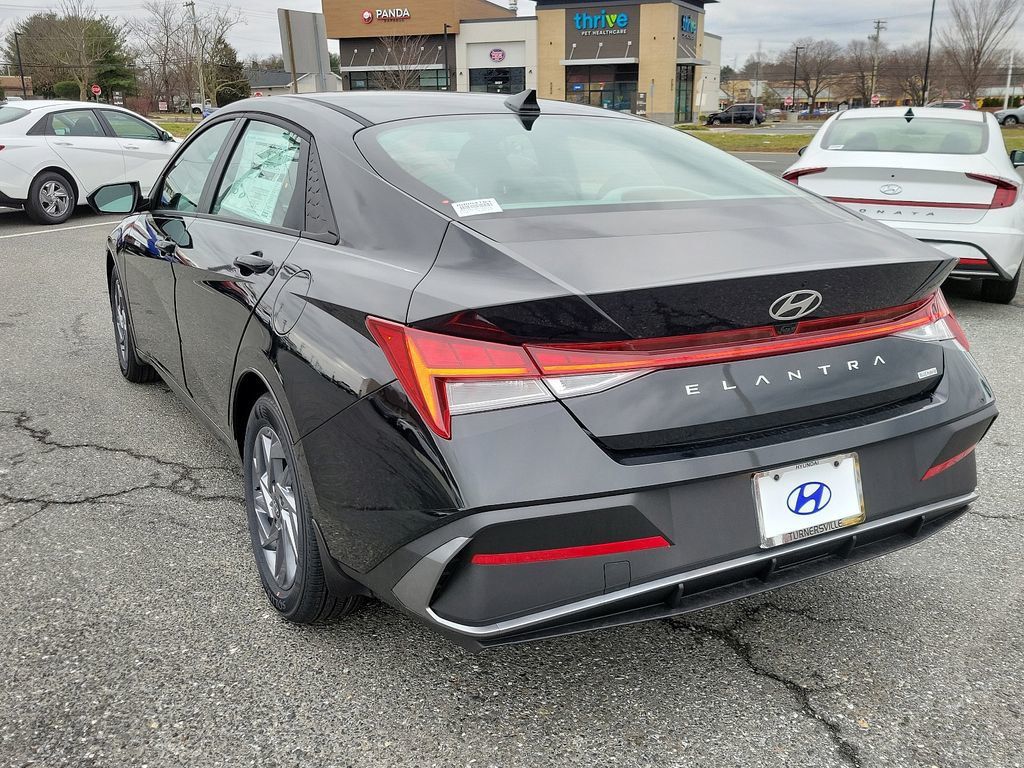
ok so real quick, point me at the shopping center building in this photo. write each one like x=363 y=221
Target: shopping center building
x=647 y=57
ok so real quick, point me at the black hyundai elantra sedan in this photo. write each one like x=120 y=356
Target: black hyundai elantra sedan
x=522 y=369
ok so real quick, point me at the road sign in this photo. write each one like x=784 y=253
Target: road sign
x=788 y=101
x=96 y=90
x=875 y=100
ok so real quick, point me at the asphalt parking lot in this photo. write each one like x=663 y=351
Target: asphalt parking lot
x=135 y=633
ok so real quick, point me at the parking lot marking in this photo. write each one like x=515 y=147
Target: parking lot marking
x=56 y=229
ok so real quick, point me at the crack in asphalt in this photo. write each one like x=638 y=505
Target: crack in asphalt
x=991 y=516
x=847 y=750
x=184 y=484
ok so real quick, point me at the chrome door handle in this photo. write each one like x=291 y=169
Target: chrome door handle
x=131 y=146
x=63 y=143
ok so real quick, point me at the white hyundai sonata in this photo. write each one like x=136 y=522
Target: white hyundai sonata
x=942 y=176
x=53 y=154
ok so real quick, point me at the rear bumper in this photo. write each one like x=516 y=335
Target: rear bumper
x=683 y=592
x=1002 y=247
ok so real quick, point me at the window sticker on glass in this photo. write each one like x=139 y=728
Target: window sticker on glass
x=263 y=170
x=474 y=207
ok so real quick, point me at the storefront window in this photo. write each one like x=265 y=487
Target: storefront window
x=684 y=93
x=499 y=80
x=611 y=86
x=376 y=80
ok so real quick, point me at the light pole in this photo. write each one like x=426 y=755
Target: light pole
x=928 y=58
x=21 y=68
x=796 y=59
x=447 y=75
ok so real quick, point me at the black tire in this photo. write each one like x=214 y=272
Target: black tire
x=715 y=121
x=1010 y=120
x=1000 y=291
x=299 y=594
x=51 y=198
x=132 y=368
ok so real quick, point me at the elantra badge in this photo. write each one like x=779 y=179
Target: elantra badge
x=795 y=304
x=890 y=189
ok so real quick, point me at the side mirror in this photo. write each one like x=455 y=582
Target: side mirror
x=801 y=150
x=165 y=136
x=1017 y=158
x=124 y=197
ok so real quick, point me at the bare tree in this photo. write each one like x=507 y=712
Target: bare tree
x=80 y=43
x=972 y=41
x=820 y=66
x=859 y=66
x=903 y=72
x=405 y=58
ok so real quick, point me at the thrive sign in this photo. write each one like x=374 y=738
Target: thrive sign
x=601 y=23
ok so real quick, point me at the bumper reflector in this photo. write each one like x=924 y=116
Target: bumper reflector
x=943 y=466
x=569 y=553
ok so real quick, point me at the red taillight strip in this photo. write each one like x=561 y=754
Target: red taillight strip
x=908 y=203
x=794 y=175
x=569 y=553
x=725 y=347
x=1006 y=189
x=967 y=261
x=943 y=466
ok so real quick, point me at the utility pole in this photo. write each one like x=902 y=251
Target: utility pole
x=21 y=67
x=928 y=58
x=796 y=59
x=1009 y=79
x=876 y=39
x=191 y=5
x=757 y=84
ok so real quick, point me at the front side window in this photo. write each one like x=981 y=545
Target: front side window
x=927 y=135
x=183 y=185
x=77 y=122
x=562 y=160
x=129 y=127
x=260 y=181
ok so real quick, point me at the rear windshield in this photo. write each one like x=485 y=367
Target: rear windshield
x=483 y=164
x=931 y=135
x=10 y=114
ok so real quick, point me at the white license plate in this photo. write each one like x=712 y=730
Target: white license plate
x=808 y=499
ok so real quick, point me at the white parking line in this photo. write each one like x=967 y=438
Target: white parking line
x=57 y=229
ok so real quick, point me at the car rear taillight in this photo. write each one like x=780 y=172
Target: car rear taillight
x=794 y=175
x=444 y=375
x=1005 y=193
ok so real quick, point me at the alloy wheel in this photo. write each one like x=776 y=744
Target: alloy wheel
x=120 y=323
x=277 y=516
x=54 y=198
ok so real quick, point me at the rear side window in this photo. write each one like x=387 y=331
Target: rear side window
x=936 y=136
x=128 y=127
x=78 y=122
x=10 y=114
x=260 y=181
x=182 y=187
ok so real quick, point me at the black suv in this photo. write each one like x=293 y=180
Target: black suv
x=737 y=113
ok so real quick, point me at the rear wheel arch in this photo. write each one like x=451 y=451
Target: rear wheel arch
x=251 y=387
x=63 y=172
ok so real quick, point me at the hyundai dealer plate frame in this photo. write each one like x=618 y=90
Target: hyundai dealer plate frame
x=808 y=499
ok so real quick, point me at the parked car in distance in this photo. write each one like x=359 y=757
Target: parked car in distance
x=53 y=154
x=1010 y=117
x=952 y=104
x=942 y=176
x=469 y=368
x=742 y=114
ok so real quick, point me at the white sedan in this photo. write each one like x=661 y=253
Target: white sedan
x=942 y=176
x=53 y=154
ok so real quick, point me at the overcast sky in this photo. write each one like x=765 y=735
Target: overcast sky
x=741 y=23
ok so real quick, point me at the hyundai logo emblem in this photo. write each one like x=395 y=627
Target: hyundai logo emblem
x=890 y=189
x=808 y=498
x=795 y=304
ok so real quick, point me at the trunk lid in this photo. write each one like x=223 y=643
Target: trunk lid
x=903 y=190
x=687 y=270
